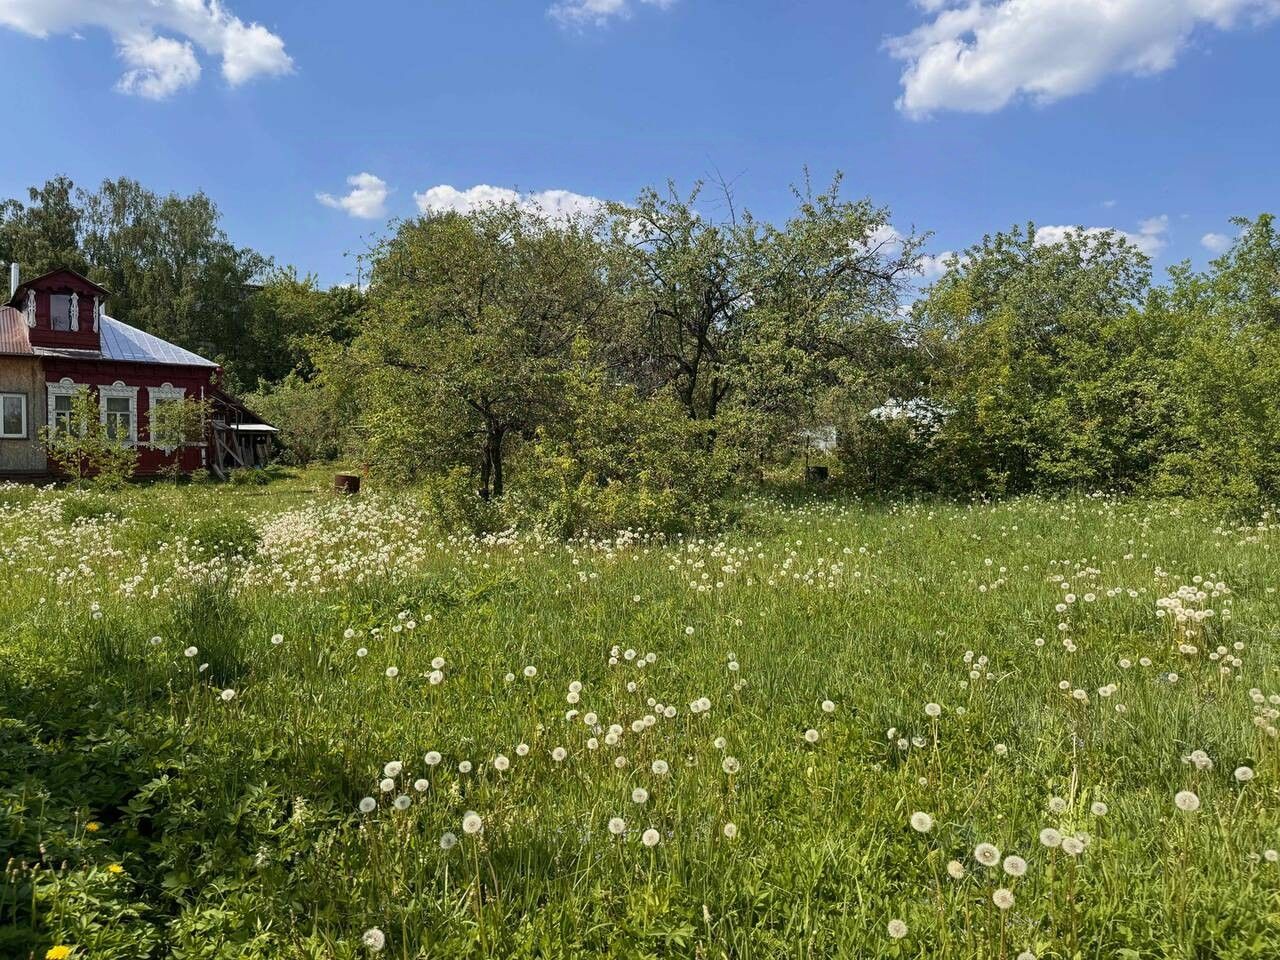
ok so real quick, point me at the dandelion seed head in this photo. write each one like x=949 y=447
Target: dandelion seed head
x=986 y=854
x=921 y=822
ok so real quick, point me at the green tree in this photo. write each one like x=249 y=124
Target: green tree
x=81 y=445
x=176 y=424
x=172 y=271
x=1050 y=373
x=468 y=329
x=43 y=234
x=748 y=323
x=1227 y=370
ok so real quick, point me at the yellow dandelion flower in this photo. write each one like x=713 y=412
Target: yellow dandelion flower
x=114 y=868
x=93 y=826
x=58 y=952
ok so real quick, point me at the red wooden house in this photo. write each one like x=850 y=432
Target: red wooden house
x=56 y=338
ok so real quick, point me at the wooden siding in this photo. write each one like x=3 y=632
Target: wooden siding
x=24 y=375
x=195 y=381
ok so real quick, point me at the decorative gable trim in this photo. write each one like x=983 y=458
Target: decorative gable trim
x=31 y=308
x=75 y=310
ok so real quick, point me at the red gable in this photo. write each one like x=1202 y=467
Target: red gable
x=63 y=310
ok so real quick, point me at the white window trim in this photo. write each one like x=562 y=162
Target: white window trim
x=165 y=391
x=14 y=436
x=31 y=308
x=120 y=391
x=66 y=387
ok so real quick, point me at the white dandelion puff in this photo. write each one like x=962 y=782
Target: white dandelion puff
x=921 y=822
x=987 y=854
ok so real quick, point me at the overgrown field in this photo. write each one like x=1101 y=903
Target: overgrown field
x=270 y=723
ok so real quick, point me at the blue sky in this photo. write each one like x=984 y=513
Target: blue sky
x=1157 y=117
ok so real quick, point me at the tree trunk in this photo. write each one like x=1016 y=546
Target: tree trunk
x=491 y=478
x=495 y=455
x=485 y=472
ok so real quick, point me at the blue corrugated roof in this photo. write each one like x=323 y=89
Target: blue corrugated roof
x=123 y=342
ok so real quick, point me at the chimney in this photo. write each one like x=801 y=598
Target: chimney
x=13 y=279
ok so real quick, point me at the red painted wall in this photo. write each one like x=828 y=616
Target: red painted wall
x=194 y=380
x=43 y=334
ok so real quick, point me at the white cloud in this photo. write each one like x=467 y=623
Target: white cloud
x=158 y=66
x=598 y=12
x=933 y=266
x=1216 y=242
x=979 y=55
x=1150 y=237
x=888 y=239
x=367 y=199
x=156 y=39
x=554 y=203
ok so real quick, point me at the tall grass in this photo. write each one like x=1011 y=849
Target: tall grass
x=829 y=671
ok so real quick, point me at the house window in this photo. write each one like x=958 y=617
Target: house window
x=120 y=411
x=119 y=414
x=158 y=397
x=60 y=311
x=13 y=415
x=60 y=401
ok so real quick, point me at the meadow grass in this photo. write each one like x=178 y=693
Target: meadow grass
x=704 y=747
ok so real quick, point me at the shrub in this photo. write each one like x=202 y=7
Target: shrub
x=224 y=535
x=86 y=448
x=620 y=461
x=250 y=477
x=454 y=503
x=89 y=507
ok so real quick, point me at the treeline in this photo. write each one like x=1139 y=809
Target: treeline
x=625 y=368
x=172 y=271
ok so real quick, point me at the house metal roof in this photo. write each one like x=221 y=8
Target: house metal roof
x=131 y=345
x=13 y=332
x=120 y=342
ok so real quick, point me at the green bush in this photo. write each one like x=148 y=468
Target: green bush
x=456 y=506
x=89 y=507
x=226 y=535
x=250 y=477
x=620 y=462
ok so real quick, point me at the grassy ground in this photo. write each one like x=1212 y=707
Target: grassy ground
x=201 y=686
